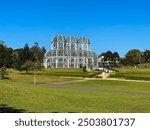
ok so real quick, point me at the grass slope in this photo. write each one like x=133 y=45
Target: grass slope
x=18 y=94
x=132 y=73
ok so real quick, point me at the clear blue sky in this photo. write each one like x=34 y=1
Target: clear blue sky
x=116 y=25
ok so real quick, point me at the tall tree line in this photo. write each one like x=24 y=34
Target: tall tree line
x=22 y=58
x=133 y=57
x=16 y=58
x=136 y=57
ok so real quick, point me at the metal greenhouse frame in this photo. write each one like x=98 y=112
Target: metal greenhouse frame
x=70 y=52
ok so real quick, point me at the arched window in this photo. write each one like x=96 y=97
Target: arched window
x=72 y=46
x=54 y=46
x=60 y=45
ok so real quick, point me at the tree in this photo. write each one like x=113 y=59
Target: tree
x=3 y=73
x=18 y=59
x=32 y=66
x=28 y=66
x=26 y=53
x=116 y=55
x=43 y=50
x=109 y=58
x=146 y=56
x=8 y=57
x=37 y=66
x=37 y=52
x=5 y=56
x=124 y=61
x=133 y=56
x=2 y=55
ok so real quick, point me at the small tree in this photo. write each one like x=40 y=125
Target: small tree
x=28 y=66
x=3 y=73
x=32 y=66
x=37 y=67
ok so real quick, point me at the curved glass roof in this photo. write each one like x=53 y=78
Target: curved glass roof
x=71 y=39
x=84 y=40
x=58 y=38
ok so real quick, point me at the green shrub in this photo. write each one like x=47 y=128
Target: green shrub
x=3 y=73
x=84 y=69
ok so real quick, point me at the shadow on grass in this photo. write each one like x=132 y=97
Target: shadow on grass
x=63 y=112
x=6 y=109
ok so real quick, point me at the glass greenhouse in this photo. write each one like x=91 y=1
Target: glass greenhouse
x=70 y=52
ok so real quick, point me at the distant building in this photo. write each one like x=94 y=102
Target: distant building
x=70 y=52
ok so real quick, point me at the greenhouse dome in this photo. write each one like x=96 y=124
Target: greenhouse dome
x=70 y=52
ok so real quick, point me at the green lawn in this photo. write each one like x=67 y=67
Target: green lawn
x=49 y=75
x=132 y=73
x=18 y=94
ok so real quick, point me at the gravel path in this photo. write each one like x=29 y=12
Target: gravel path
x=66 y=84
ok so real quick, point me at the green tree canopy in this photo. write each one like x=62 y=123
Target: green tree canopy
x=110 y=58
x=133 y=57
x=3 y=73
x=146 y=56
x=5 y=56
x=32 y=66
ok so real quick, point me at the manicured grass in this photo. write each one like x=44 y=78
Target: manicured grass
x=18 y=94
x=88 y=96
x=48 y=75
x=115 y=85
x=132 y=73
x=68 y=72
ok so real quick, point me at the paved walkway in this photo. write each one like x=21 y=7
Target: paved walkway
x=118 y=79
